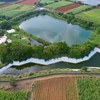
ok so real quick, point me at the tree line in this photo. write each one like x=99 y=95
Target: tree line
x=16 y=51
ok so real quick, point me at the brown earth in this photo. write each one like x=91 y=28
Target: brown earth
x=27 y=84
x=4 y=5
x=67 y=8
x=29 y=2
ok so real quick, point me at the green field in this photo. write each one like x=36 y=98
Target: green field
x=14 y=10
x=8 y=8
x=88 y=88
x=19 y=95
x=80 y=9
x=95 y=37
x=47 y=1
x=93 y=15
x=58 y=4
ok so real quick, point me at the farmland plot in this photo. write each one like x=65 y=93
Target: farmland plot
x=55 y=89
x=19 y=95
x=80 y=9
x=67 y=8
x=92 y=15
x=88 y=88
x=58 y=4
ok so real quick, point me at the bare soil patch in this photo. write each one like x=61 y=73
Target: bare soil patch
x=67 y=8
x=4 y=5
x=29 y=2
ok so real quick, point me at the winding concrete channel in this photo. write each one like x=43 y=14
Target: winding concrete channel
x=52 y=61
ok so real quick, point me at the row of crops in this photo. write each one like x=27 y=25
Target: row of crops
x=58 y=4
x=68 y=88
x=92 y=15
x=19 y=95
x=14 y=10
x=80 y=9
x=47 y=1
x=62 y=88
x=88 y=88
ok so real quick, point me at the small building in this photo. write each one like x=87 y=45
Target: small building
x=11 y=31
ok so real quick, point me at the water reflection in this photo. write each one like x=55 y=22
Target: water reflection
x=54 y=30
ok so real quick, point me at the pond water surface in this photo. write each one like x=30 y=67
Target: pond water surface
x=91 y=2
x=54 y=30
x=92 y=62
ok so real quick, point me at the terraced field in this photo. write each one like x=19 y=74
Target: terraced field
x=80 y=9
x=58 y=4
x=92 y=15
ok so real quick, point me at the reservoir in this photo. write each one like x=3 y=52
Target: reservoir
x=55 y=30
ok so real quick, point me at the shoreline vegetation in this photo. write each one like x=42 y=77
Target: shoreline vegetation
x=52 y=61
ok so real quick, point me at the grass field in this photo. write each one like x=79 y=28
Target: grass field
x=93 y=15
x=88 y=88
x=95 y=37
x=14 y=10
x=58 y=4
x=46 y=1
x=56 y=89
x=79 y=9
x=19 y=95
x=6 y=9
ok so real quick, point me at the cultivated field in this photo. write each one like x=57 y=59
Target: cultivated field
x=67 y=8
x=80 y=9
x=58 y=4
x=92 y=15
x=46 y=1
x=29 y=2
x=88 y=88
x=14 y=10
x=55 y=89
x=19 y=95
x=4 y=5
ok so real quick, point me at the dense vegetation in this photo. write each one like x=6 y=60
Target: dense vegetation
x=18 y=52
x=88 y=88
x=19 y=95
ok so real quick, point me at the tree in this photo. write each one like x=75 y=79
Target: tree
x=6 y=25
x=12 y=81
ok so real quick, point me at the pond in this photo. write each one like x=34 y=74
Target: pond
x=91 y=2
x=54 y=30
x=92 y=62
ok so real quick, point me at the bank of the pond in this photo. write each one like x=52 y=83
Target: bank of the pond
x=52 y=61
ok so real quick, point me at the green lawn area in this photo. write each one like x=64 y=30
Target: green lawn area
x=92 y=15
x=58 y=4
x=80 y=9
